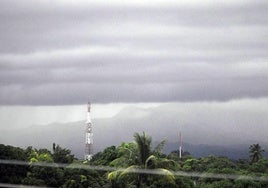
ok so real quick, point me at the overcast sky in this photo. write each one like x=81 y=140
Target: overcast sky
x=55 y=53
x=65 y=52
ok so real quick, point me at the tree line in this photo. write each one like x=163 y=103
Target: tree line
x=135 y=164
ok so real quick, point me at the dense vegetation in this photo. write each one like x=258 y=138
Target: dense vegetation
x=135 y=164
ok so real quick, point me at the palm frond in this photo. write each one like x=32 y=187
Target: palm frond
x=119 y=162
x=151 y=158
x=113 y=175
x=167 y=174
x=144 y=146
x=159 y=147
x=130 y=170
x=255 y=151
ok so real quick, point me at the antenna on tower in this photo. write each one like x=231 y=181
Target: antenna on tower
x=89 y=134
x=180 y=144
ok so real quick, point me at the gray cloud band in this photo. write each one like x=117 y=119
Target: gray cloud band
x=63 y=54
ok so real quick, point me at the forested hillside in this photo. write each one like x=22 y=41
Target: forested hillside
x=133 y=164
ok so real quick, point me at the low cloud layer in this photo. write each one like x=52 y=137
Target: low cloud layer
x=213 y=123
x=59 y=53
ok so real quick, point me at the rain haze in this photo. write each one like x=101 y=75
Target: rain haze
x=197 y=63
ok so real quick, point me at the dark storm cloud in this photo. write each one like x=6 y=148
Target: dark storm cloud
x=44 y=25
x=61 y=53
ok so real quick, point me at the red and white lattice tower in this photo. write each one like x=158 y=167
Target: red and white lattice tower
x=89 y=135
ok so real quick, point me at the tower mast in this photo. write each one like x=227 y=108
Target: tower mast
x=89 y=135
x=180 y=142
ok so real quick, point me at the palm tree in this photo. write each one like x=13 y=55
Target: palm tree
x=255 y=151
x=144 y=148
x=142 y=158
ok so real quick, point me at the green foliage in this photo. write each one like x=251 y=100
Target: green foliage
x=53 y=177
x=127 y=155
x=33 y=181
x=40 y=157
x=158 y=149
x=12 y=173
x=82 y=178
x=129 y=158
x=215 y=162
x=105 y=157
x=10 y=152
x=221 y=171
x=210 y=164
x=160 y=182
x=191 y=165
x=261 y=166
x=255 y=152
x=185 y=182
x=175 y=155
x=141 y=156
x=43 y=175
x=62 y=155
x=144 y=147
x=241 y=183
x=218 y=184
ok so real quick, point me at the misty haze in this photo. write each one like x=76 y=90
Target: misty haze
x=160 y=68
x=219 y=123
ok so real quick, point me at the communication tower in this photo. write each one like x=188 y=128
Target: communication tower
x=89 y=135
x=180 y=143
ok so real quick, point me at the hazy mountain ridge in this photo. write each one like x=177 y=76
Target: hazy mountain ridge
x=239 y=151
x=159 y=122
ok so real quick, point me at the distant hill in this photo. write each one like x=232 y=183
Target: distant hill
x=231 y=151
x=205 y=139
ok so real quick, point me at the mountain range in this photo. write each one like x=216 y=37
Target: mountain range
x=200 y=139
